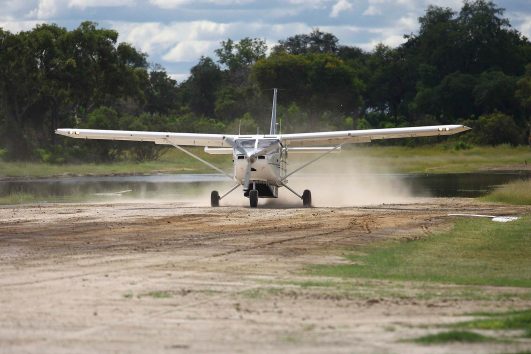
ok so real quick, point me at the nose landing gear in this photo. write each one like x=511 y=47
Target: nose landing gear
x=253 y=198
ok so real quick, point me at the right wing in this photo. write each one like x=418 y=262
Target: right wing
x=163 y=138
x=367 y=135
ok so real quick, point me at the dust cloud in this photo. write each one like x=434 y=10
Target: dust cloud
x=337 y=180
x=342 y=180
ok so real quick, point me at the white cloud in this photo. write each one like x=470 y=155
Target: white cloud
x=525 y=27
x=17 y=26
x=522 y=22
x=9 y=8
x=340 y=6
x=310 y=3
x=372 y=11
x=155 y=37
x=45 y=9
x=190 y=50
x=83 y=4
x=172 y=4
x=179 y=77
x=183 y=41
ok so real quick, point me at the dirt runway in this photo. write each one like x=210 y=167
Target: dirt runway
x=166 y=277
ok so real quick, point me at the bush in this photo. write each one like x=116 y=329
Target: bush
x=53 y=155
x=3 y=153
x=495 y=129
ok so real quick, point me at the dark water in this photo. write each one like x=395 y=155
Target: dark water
x=172 y=186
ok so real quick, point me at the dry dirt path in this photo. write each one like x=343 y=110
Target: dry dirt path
x=166 y=277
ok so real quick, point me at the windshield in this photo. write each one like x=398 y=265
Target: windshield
x=263 y=143
x=247 y=143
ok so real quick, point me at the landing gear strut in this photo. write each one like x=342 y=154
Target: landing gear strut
x=253 y=198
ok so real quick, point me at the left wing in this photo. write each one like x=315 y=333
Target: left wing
x=164 y=138
x=367 y=135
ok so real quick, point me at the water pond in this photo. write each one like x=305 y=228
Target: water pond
x=174 y=186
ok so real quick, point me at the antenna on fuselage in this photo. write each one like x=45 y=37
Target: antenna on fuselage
x=273 y=129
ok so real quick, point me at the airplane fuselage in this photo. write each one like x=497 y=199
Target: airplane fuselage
x=265 y=158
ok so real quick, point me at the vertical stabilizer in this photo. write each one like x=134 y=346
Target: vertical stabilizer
x=273 y=129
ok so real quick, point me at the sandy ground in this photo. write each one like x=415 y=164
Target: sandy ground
x=167 y=277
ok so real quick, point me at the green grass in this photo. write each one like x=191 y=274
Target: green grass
x=173 y=161
x=517 y=192
x=514 y=320
x=453 y=337
x=440 y=158
x=474 y=252
x=159 y=294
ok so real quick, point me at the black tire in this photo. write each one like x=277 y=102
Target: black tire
x=307 y=198
x=214 y=199
x=253 y=198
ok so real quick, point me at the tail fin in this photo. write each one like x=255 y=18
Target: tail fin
x=273 y=129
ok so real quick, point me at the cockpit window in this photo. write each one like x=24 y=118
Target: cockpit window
x=247 y=143
x=263 y=143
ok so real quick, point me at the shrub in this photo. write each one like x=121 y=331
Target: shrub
x=495 y=129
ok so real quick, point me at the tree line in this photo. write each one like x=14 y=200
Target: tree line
x=468 y=67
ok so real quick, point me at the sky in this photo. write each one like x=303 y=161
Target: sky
x=176 y=33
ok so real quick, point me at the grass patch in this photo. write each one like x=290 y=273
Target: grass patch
x=159 y=294
x=260 y=293
x=174 y=161
x=453 y=337
x=516 y=192
x=441 y=158
x=515 y=320
x=315 y=283
x=474 y=252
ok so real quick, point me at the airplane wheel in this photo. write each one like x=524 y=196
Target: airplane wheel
x=307 y=198
x=253 y=198
x=214 y=199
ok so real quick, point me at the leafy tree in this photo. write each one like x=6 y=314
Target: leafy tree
x=523 y=92
x=495 y=91
x=242 y=54
x=105 y=118
x=391 y=82
x=315 y=42
x=161 y=93
x=487 y=39
x=201 y=87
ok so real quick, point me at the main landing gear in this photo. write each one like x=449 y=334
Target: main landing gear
x=253 y=197
x=214 y=199
x=307 y=198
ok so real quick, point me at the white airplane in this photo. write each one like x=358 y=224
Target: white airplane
x=260 y=160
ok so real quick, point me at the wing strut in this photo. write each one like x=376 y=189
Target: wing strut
x=309 y=163
x=230 y=191
x=203 y=161
x=291 y=190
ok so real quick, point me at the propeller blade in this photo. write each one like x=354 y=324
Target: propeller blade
x=236 y=145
